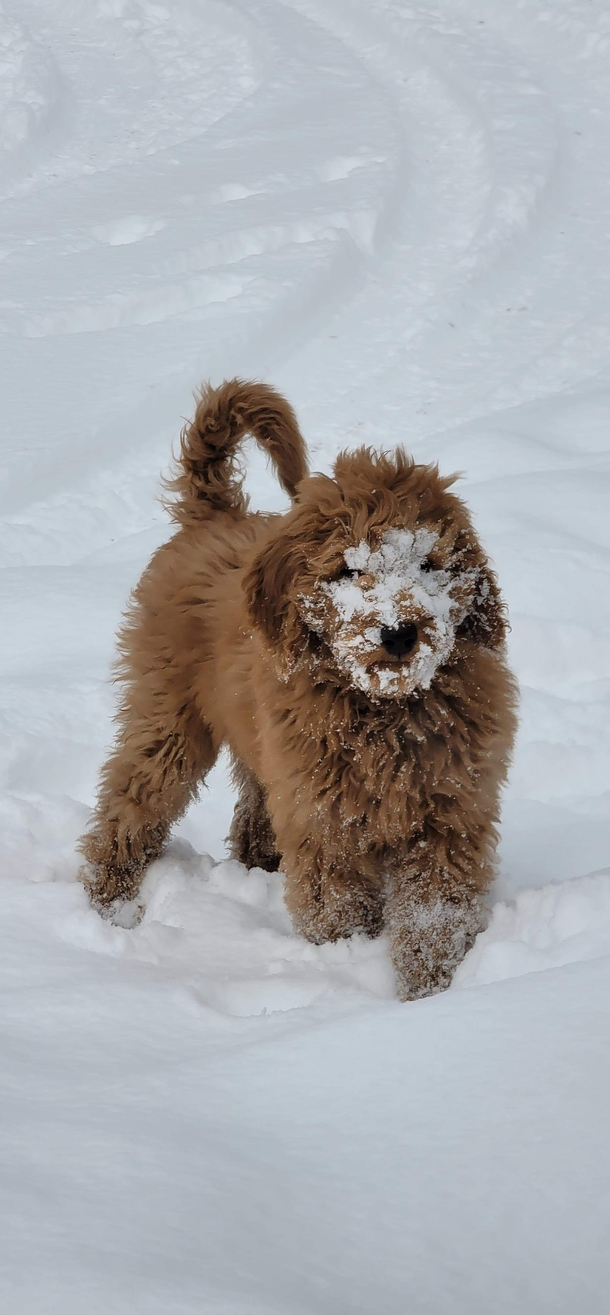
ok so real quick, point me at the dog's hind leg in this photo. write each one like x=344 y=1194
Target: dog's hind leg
x=159 y=760
x=251 y=837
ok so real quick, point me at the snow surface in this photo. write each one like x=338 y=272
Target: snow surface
x=399 y=215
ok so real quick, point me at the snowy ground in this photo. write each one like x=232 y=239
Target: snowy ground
x=398 y=214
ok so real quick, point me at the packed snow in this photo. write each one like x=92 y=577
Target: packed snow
x=397 y=214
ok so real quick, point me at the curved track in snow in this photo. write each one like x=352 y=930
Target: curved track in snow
x=398 y=213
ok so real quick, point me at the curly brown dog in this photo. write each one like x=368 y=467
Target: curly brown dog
x=351 y=655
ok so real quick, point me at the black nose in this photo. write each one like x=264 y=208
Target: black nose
x=399 y=642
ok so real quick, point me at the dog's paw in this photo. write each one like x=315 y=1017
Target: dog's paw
x=428 y=942
x=123 y=913
x=109 y=896
x=339 y=913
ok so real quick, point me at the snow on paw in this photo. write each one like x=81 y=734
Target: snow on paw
x=429 y=941
x=123 y=913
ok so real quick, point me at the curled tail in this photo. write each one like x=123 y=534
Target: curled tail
x=208 y=478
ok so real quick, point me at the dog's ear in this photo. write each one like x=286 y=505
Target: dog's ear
x=268 y=587
x=486 y=622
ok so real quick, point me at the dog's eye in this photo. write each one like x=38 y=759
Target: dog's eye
x=347 y=573
x=427 y=565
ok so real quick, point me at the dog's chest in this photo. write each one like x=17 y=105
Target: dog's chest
x=370 y=783
x=354 y=768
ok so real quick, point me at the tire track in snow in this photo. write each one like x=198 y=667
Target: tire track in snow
x=30 y=96
x=172 y=258
x=480 y=171
x=133 y=265
x=489 y=312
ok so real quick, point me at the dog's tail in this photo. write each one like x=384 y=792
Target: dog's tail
x=208 y=477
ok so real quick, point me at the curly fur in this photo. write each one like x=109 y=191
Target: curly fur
x=376 y=789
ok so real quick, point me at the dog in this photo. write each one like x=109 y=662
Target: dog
x=351 y=655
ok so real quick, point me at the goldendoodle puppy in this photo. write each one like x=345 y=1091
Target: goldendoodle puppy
x=351 y=654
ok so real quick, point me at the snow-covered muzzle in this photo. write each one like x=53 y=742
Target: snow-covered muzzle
x=381 y=594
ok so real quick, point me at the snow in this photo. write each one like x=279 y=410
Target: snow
x=398 y=215
x=546 y=928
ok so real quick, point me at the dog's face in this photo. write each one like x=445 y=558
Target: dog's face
x=390 y=614
x=375 y=575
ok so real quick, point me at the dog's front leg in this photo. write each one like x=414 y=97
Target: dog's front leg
x=434 y=909
x=325 y=898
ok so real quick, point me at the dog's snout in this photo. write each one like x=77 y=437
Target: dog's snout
x=399 y=642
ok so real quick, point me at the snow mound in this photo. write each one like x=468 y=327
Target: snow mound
x=545 y=928
x=225 y=931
